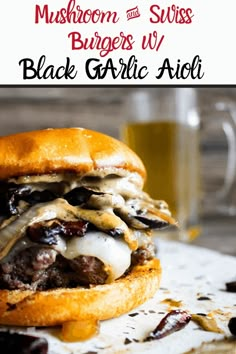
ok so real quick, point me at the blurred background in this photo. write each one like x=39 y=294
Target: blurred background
x=105 y=110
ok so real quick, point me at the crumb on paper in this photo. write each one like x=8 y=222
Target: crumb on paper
x=172 y=303
x=203 y=298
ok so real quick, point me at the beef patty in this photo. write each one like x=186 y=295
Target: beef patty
x=42 y=268
x=37 y=268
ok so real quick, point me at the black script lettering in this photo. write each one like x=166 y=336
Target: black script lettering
x=40 y=71
x=130 y=70
x=182 y=71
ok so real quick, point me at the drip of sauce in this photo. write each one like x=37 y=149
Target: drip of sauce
x=79 y=330
x=208 y=323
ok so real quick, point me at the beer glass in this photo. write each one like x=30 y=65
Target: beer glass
x=163 y=127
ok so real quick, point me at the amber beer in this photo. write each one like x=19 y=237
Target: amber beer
x=170 y=153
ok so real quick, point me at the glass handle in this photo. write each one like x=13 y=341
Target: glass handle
x=231 y=160
x=222 y=199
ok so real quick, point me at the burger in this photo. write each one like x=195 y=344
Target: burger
x=75 y=229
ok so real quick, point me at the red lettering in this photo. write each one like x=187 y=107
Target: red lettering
x=105 y=45
x=41 y=13
x=171 y=14
x=74 y=14
x=153 y=10
x=96 y=16
x=189 y=15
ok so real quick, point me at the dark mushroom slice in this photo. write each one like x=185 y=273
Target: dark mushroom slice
x=10 y=195
x=47 y=232
x=10 y=199
x=163 y=216
x=137 y=215
x=79 y=195
x=40 y=197
x=152 y=222
x=128 y=216
x=40 y=233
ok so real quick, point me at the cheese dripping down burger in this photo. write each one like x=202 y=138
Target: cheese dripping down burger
x=75 y=229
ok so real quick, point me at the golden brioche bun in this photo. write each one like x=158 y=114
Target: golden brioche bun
x=75 y=150
x=101 y=302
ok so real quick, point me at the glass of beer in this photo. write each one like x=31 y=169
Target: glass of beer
x=162 y=127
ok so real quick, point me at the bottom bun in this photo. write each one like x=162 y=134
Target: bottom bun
x=101 y=302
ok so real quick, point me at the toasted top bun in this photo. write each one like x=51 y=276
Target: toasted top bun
x=74 y=150
x=101 y=302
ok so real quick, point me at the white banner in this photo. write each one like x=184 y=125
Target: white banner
x=135 y=42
